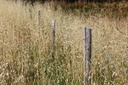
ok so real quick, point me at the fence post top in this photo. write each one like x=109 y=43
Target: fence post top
x=53 y=22
x=86 y=27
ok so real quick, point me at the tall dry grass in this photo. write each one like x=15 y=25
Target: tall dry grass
x=25 y=54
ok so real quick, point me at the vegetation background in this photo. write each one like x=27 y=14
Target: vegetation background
x=25 y=44
x=71 y=1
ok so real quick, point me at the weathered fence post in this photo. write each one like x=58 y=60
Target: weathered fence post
x=39 y=22
x=88 y=45
x=53 y=38
x=30 y=12
x=39 y=40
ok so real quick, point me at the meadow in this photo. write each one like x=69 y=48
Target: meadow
x=25 y=45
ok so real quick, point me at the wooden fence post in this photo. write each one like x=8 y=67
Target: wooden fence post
x=30 y=12
x=53 y=38
x=39 y=41
x=88 y=45
x=39 y=22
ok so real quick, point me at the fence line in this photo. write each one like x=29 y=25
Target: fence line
x=88 y=45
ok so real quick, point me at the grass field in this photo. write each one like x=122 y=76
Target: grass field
x=25 y=54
